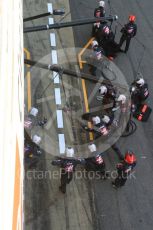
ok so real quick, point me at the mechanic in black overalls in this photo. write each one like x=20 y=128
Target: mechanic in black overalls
x=124 y=169
x=107 y=91
x=106 y=38
x=108 y=95
x=68 y=166
x=98 y=13
x=139 y=91
x=95 y=162
x=128 y=31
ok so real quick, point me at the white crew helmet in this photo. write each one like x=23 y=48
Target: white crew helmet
x=106 y=119
x=69 y=152
x=140 y=81
x=34 y=112
x=36 y=139
x=121 y=98
x=102 y=4
x=92 y=147
x=96 y=120
x=103 y=90
x=94 y=43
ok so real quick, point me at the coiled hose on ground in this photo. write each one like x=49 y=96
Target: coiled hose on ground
x=130 y=129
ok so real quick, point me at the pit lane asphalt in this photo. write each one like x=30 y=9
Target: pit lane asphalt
x=131 y=206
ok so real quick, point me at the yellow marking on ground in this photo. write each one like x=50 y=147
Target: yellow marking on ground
x=28 y=76
x=81 y=62
x=28 y=56
x=29 y=89
x=86 y=106
x=85 y=96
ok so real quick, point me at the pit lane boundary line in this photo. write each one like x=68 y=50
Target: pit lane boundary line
x=81 y=62
x=58 y=99
x=28 y=77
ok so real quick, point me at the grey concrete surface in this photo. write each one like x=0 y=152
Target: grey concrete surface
x=44 y=206
x=130 y=207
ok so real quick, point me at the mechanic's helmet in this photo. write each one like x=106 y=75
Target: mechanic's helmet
x=140 y=82
x=96 y=120
x=36 y=139
x=130 y=158
x=94 y=43
x=132 y=18
x=106 y=30
x=92 y=147
x=69 y=152
x=34 y=112
x=102 y=4
x=106 y=119
x=103 y=90
x=121 y=98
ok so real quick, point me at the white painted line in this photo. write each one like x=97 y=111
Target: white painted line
x=61 y=139
x=52 y=40
x=51 y=21
x=58 y=96
x=54 y=57
x=50 y=8
x=59 y=119
x=143 y=157
x=56 y=78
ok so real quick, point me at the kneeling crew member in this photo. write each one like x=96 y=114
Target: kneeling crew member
x=139 y=91
x=68 y=166
x=96 y=162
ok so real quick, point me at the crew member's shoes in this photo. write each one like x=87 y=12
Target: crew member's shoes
x=62 y=190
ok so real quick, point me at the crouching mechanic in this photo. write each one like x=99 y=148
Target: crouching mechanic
x=68 y=166
x=124 y=169
x=106 y=91
x=99 y=126
x=108 y=120
x=121 y=103
x=95 y=162
x=107 y=96
x=106 y=38
x=139 y=91
x=96 y=57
